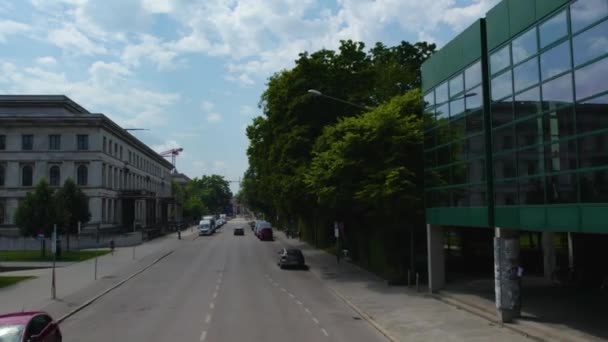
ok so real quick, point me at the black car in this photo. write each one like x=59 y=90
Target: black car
x=291 y=258
x=239 y=231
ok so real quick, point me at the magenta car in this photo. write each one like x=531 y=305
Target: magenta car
x=29 y=327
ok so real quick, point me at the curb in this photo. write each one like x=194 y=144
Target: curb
x=92 y=300
x=360 y=312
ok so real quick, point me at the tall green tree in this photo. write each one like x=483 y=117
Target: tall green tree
x=37 y=213
x=213 y=193
x=72 y=207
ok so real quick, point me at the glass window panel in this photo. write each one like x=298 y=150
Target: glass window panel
x=503 y=139
x=459 y=173
x=444 y=175
x=500 y=60
x=505 y=193
x=531 y=190
x=502 y=112
x=477 y=196
x=476 y=171
x=557 y=92
x=456 y=85
x=591 y=79
x=526 y=74
x=586 y=12
x=562 y=188
x=592 y=115
x=460 y=196
x=524 y=46
x=430 y=159
x=561 y=156
x=594 y=186
x=458 y=151
x=559 y=124
x=553 y=29
x=429 y=99
x=472 y=75
x=591 y=44
x=474 y=122
x=530 y=162
x=429 y=139
x=528 y=103
x=473 y=99
x=441 y=93
x=529 y=132
x=502 y=86
x=505 y=166
x=443 y=155
x=474 y=146
x=457 y=128
x=593 y=150
x=443 y=135
x=456 y=107
x=443 y=111
x=555 y=61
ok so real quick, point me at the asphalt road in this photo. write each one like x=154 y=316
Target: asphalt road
x=220 y=288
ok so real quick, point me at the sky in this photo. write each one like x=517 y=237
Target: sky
x=192 y=71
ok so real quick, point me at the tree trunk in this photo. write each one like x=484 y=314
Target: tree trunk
x=43 y=248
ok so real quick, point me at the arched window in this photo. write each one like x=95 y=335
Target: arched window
x=82 y=175
x=2 y=214
x=27 y=175
x=54 y=175
x=2 y=176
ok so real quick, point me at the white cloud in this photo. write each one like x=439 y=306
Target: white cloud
x=157 y=6
x=207 y=105
x=48 y=61
x=10 y=27
x=247 y=111
x=150 y=48
x=214 y=117
x=70 y=38
x=165 y=146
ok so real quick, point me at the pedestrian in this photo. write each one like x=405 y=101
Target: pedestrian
x=112 y=246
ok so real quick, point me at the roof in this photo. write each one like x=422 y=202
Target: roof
x=19 y=317
x=42 y=101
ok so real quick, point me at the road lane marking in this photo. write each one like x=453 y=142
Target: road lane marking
x=212 y=306
x=275 y=284
x=292 y=296
x=203 y=335
x=283 y=289
x=307 y=311
x=214 y=295
x=219 y=280
x=217 y=287
x=299 y=303
x=315 y=320
x=208 y=318
x=324 y=332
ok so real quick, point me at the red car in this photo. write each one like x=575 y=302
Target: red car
x=266 y=234
x=29 y=327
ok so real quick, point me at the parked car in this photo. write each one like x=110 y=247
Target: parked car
x=266 y=234
x=205 y=227
x=239 y=231
x=259 y=225
x=291 y=258
x=34 y=326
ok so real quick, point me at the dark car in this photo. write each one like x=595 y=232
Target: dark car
x=239 y=231
x=291 y=258
x=29 y=327
x=265 y=234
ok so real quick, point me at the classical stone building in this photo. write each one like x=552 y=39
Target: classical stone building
x=52 y=137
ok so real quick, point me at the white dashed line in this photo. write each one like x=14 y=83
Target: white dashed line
x=219 y=280
x=307 y=311
x=299 y=303
x=324 y=332
x=283 y=289
x=275 y=284
x=315 y=320
x=212 y=306
x=292 y=296
x=217 y=287
x=208 y=318
x=214 y=295
x=203 y=335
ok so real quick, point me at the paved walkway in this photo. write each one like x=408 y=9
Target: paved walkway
x=35 y=294
x=402 y=313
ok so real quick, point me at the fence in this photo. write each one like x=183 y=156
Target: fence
x=13 y=243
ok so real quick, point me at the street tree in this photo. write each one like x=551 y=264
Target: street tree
x=72 y=207
x=37 y=213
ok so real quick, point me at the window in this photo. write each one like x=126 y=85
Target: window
x=500 y=60
x=559 y=124
x=429 y=99
x=54 y=175
x=456 y=107
x=591 y=79
x=82 y=175
x=443 y=111
x=82 y=142
x=54 y=142
x=120 y=155
x=474 y=122
x=505 y=193
x=590 y=44
x=105 y=142
x=555 y=61
x=557 y=92
x=527 y=103
x=27 y=175
x=531 y=190
x=504 y=166
x=586 y=12
x=591 y=115
x=456 y=85
x=2 y=213
x=103 y=175
x=529 y=132
x=553 y=29
x=502 y=86
x=561 y=156
x=36 y=325
x=115 y=149
x=2 y=175
x=524 y=46
x=103 y=210
x=502 y=112
x=593 y=150
x=472 y=76
x=2 y=142
x=594 y=186
x=530 y=162
x=562 y=188
x=526 y=74
x=441 y=93
x=27 y=142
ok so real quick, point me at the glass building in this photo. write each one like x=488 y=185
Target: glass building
x=517 y=129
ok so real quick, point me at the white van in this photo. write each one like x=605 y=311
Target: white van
x=205 y=227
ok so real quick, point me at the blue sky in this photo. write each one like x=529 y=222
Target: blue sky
x=192 y=71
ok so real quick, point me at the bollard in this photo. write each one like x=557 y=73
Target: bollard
x=95 y=268
x=417 y=283
x=409 y=278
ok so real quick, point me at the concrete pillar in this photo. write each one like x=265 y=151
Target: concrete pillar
x=549 y=261
x=436 y=257
x=507 y=282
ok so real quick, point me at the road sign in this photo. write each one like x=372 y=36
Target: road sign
x=336 y=230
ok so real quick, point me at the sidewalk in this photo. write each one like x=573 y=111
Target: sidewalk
x=35 y=294
x=399 y=312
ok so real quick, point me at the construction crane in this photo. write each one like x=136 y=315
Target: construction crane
x=174 y=152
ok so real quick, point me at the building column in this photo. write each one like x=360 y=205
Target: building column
x=436 y=257
x=507 y=280
x=549 y=261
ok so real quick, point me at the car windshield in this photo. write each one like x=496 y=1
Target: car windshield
x=11 y=332
x=293 y=252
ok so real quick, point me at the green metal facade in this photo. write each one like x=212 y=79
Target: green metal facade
x=517 y=135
